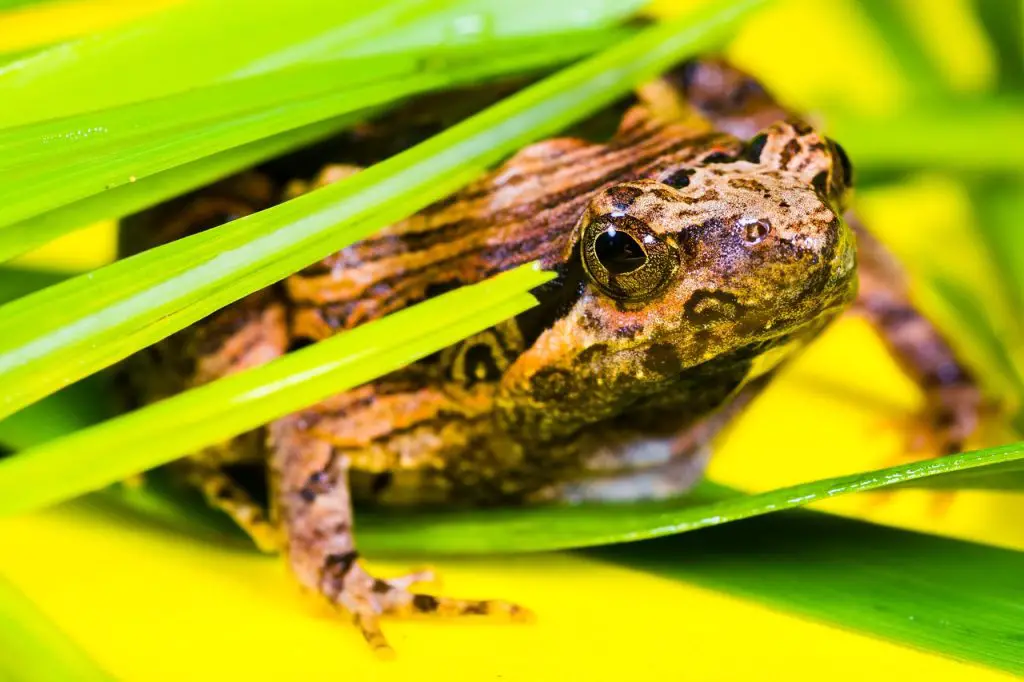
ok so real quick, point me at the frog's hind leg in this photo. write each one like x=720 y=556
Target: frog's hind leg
x=953 y=400
x=314 y=504
x=730 y=100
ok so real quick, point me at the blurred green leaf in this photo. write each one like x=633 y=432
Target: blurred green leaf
x=894 y=25
x=57 y=336
x=1004 y=22
x=970 y=136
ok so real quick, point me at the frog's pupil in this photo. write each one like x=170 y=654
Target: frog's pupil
x=618 y=252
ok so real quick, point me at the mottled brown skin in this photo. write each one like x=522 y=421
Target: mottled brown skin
x=696 y=250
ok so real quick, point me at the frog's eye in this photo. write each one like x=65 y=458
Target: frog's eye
x=625 y=258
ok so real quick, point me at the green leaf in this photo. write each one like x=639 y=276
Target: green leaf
x=95 y=457
x=894 y=25
x=128 y=198
x=560 y=527
x=956 y=599
x=971 y=136
x=57 y=336
x=55 y=163
x=264 y=37
x=32 y=649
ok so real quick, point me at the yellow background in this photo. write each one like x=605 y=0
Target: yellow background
x=150 y=604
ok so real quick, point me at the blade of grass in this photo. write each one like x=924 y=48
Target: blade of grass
x=60 y=162
x=987 y=136
x=33 y=649
x=216 y=41
x=562 y=527
x=893 y=23
x=126 y=199
x=57 y=336
x=953 y=598
x=92 y=458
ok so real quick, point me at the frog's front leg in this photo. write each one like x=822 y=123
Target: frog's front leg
x=223 y=493
x=953 y=401
x=313 y=501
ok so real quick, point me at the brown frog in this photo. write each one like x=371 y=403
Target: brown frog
x=696 y=249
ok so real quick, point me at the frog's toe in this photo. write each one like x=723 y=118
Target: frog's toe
x=367 y=599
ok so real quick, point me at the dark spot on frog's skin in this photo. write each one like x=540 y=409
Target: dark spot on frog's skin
x=317 y=484
x=381 y=587
x=783 y=204
x=680 y=178
x=478 y=609
x=623 y=196
x=424 y=603
x=664 y=194
x=705 y=307
x=628 y=331
x=707 y=196
x=589 y=353
x=340 y=564
x=662 y=359
x=749 y=184
x=551 y=384
x=791 y=149
x=718 y=157
x=752 y=153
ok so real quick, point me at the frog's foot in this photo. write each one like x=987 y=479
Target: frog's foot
x=223 y=493
x=348 y=585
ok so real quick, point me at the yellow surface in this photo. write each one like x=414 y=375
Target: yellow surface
x=46 y=23
x=152 y=605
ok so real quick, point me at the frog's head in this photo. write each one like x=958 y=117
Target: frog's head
x=719 y=258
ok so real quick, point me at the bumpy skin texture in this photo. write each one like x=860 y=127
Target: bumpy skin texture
x=696 y=249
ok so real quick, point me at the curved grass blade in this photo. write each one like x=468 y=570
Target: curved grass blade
x=59 y=164
x=55 y=337
x=215 y=41
x=956 y=599
x=33 y=649
x=92 y=458
x=562 y=527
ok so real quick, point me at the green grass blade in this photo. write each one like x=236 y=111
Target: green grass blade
x=1004 y=22
x=974 y=136
x=92 y=458
x=264 y=37
x=126 y=199
x=952 y=598
x=32 y=649
x=57 y=336
x=892 y=21
x=561 y=527
x=56 y=164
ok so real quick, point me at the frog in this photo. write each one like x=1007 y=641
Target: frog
x=697 y=249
